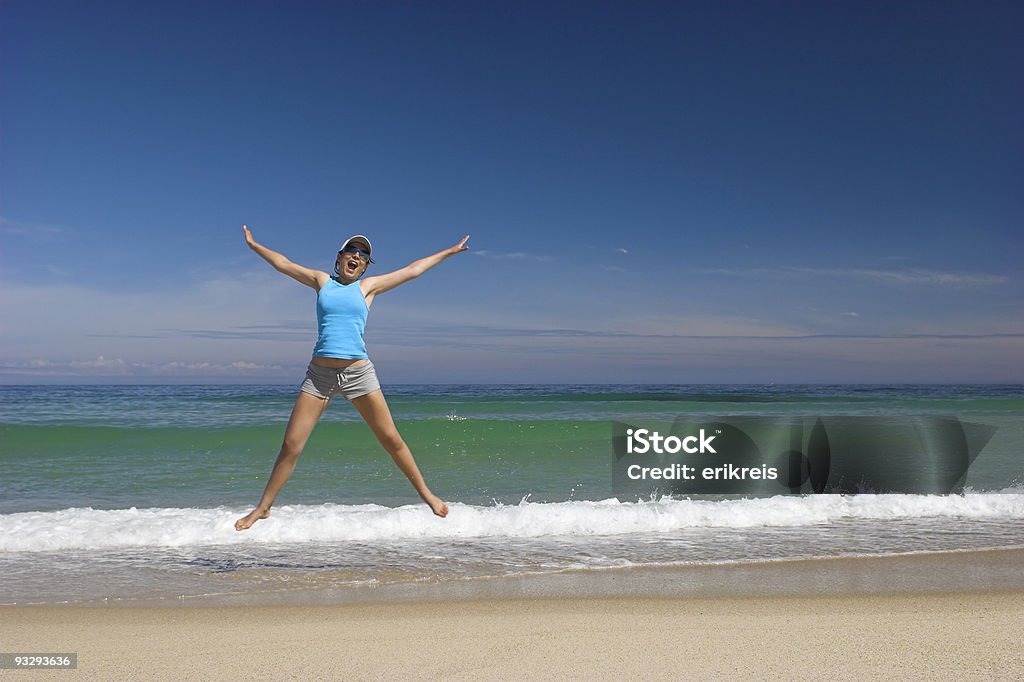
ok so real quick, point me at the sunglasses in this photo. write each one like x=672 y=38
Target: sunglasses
x=357 y=251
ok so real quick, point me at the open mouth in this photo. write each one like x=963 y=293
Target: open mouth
x=352 y=264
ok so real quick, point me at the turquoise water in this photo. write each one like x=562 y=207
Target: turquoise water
x=128 y=492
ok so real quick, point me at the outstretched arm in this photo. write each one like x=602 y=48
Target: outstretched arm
x=311 y=278
x=381 y=283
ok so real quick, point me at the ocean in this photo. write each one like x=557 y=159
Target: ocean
x=128 y=494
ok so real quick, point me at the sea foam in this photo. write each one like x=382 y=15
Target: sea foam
x=97 y=529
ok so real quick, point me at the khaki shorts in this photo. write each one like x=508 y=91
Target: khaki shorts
x=351 y=382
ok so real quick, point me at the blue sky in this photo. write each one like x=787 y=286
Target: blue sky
x=693 y=192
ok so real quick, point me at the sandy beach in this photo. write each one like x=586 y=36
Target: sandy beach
x=961 y=636
x=864 y=633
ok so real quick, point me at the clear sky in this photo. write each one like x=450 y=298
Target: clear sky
x=677 y=192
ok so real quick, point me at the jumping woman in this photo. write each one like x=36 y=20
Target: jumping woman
x=340 y=365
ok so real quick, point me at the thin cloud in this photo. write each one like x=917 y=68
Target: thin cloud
x=907 y=276
x=116 y=365
x=918 y=276
x=245 y=333
x=510 y=255
x=22 y=228
x=103 y=366
x=484 y=331
x=288 y=331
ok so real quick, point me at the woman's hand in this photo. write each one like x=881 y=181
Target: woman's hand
x=248 y=237
x=460 y=247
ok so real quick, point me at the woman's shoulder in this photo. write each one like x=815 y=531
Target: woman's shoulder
x=321 y=279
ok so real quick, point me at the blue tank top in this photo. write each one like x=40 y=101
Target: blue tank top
x=340 y=318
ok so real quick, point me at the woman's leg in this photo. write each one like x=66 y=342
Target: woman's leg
x=305 y=415
x=377 y=414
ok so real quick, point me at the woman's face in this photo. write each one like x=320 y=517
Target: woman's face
x=350 y=265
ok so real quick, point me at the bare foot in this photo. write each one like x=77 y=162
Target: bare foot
x=436 y=504
x=251 y=518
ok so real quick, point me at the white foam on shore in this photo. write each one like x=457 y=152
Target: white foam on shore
x=92 y=529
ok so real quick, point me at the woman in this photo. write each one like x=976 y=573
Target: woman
x=340 y=364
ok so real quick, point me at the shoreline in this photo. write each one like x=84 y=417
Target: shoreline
x=915 y=573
